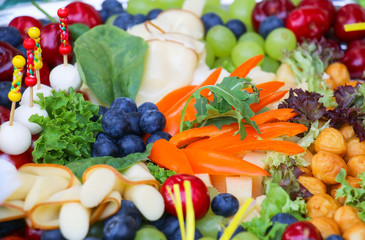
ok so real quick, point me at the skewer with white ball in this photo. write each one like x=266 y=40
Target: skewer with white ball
x=15 y=138
x=65 y=75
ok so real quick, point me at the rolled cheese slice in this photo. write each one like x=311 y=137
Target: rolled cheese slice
x=15 y=139
x=23 y=113
x=11 y=210
x=74 y=221
x=64 y=76
x=44 y=89
x=108 y=207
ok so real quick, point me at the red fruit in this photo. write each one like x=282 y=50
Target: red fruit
x=62 y=12
x=355 y=43
x=13 y=238
x=17 y=160
x=80 y=12
x=302 y=230
x=32 y=234
x=354 y=59
x=50 y=42
x=325 y=5
x=350 y=13
x=23 y=24
x=7 y=52
x=4 y=114
x=31 y=148
x=200 y=194
x=308 y=22
x=45 y=71
x=279 y=8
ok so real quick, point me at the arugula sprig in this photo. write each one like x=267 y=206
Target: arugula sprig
x=231 y=103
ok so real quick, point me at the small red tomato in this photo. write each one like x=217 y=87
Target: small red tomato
x=302 y=230
x=199 y=194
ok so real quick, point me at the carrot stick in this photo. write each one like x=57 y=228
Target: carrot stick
x=285 y=147
x=273 y=97
x=183 y=138
x=281 y=114
x=267 y=88
x=169 y=156
x=218 y=163
x=246 y=67
x=168 y=101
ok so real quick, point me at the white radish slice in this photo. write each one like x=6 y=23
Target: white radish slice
x=23 y=113
x=64 y=76
x=44 y=89
x=74 y=221
x=15 y=139
x=27 y=181
x=98 y=185
x=195 y=6
x=147 y=199
x=138 y=172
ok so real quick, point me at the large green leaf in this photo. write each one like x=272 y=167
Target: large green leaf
x=111 y=62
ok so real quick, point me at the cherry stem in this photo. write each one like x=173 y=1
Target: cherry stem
x=52 y=19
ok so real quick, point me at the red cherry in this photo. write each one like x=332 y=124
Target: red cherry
x=17 y=160
x=29 y=43
x=4 y=114
x=65 y=50
x=30 y=81
x=45 y=71
x=354 y=59
x=23 y=23
x=7 y=52
x=32 y=234
x=325 y=5
x=62 y=12
x=350 y=13
x=301 y=230
x=83 y=13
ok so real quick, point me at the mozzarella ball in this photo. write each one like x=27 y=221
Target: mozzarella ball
x=15 y=139
x=46 y=90
x=23 y=113
x=64 y=76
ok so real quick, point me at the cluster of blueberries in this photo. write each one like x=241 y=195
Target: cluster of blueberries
x=124 y=20
x=12 y=36
x=124 y=124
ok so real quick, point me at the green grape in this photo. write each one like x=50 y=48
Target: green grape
x=210 y=225
x=253 y=37
x=223 y=14
x=209 y=58
x=226 y=63
x=270 y=65
x=111 y=19
x=207 y=238
x=279 y=40
x=222 y=40
x=245 y=236
x=168 y=4
x=140 y=6
x=242 y=9
x=213 y=2
x=244 y=51
x=150 y=233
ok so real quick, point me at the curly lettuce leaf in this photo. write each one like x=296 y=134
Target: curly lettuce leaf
x=161 y=174
x=68 y=131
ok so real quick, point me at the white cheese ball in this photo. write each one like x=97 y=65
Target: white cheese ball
x=46 y=90
x=64 y=76
x=15 y=139
x=23 y=113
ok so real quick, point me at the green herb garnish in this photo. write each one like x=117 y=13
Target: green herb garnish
x=161 y=174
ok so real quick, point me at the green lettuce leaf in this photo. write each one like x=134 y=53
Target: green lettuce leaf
x=161 y=174
x=110 y=62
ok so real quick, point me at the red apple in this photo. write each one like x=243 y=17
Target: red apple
x=4 y=114
x=80 y=12
x=325 y=5
x=23 y=23
x=7 y=52
x=350 y=13
x=354 y=59
x=50 y=41
x=263 y=9
x=308 y=22
x=200 y=194
x=301 y=230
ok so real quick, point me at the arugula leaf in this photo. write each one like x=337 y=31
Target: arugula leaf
x=78 y=167
x=230 y=104
x=161 y=174
x=354 y=196
x=68 y=131
x=110 y=68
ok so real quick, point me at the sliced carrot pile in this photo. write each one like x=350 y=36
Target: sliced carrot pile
x=267 y=88
x=173 y=97
x=271 y=98
x=281 y=114
x=246 y=67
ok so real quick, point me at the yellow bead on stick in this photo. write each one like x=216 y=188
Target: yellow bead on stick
x=34 y=32
x=14 y=93
x=18 y=61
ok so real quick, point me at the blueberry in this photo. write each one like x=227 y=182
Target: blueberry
x=10 y=35
x=127 y=208
x=104 y=15
x=158 y=135
x=120 y=227
x=225 y=205
x=104 y=146
x=237 y=27
x=22 y=49
x=139 y=18
x=170 y=227
x=111 y=5
x=269 y=24
x=124 y=104
x=177 y=235
x=4 y=91
x=134 y=118
x=144 y=107
x=334 y=237
x=284 y=218
x=124 y=21
x=9 y=226
x=52 y=235
x=210 y=20
x=159 y=223
x=152 y=121
x=131 y=144
x=102 y=110
x=44 y=21
x=237 y=231
x=152 y=14
x=115 y=123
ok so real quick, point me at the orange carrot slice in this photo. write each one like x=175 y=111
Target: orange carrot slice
x=246 y=67
x=267 y=88
x=219 y=163
x=273 y=97
x=173 y=97
x=281 y=114
x=169 y=156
